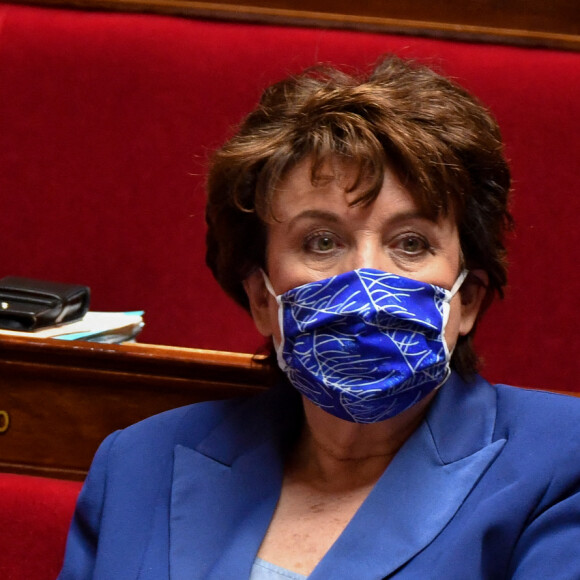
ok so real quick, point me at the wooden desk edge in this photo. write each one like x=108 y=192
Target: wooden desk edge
x=139 y=358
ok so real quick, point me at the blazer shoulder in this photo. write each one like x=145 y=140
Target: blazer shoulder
x=545 y=418
x=537 y=402
x=160 y=433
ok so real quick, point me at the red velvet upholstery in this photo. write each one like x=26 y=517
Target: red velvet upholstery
x=107 y=121
x=106 y=124
x=35 y=513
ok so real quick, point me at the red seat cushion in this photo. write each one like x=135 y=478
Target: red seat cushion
x=36 y=514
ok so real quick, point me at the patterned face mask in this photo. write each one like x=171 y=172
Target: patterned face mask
x=365 y=345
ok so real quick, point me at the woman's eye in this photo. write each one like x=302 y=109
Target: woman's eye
x=413 y=245
x=321 y=243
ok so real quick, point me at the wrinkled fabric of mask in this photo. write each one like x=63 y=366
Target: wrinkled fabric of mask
x=365 y=345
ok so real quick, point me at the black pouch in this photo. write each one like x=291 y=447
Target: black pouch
x=27 y=304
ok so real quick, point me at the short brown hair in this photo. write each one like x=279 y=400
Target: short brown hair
x=445 y=147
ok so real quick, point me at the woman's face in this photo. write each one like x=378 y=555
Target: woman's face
x=317 y=235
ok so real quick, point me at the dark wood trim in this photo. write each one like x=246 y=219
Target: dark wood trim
x=63 y=398
x=524 y=22
x=41 y=471
x=150 y=362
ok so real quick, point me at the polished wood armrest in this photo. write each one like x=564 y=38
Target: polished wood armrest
x=60 y=399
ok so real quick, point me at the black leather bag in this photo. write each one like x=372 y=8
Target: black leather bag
x=27 y=304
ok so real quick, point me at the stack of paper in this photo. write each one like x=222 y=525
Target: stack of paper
x=109 y=327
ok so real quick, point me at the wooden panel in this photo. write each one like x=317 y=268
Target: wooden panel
x=530 y=22
x=59 y=400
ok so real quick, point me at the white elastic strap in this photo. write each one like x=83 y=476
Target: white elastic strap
x=269 y=286
x=458 y=283
x=279 y=347
x=447 y=309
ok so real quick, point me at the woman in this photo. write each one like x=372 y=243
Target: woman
x=361 y=222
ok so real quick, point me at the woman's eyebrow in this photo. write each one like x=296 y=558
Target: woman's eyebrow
x=333 y=218
x=410 y=216
x=317 y=214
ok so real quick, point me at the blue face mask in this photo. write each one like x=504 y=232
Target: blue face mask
x=365 y=345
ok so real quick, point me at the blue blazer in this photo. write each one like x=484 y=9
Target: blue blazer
x=487 y=487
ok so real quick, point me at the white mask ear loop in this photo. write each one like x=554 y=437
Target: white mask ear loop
x=447 y=308
x=279 y=347
x=268 y=284
x=458 y=283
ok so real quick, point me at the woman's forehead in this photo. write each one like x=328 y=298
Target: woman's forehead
x=337 y=188
x=313 y=181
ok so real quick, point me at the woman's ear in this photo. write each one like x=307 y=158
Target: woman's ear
x=260 y=302
x=472 y=295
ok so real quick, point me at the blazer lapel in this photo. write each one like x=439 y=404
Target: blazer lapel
x=422 y=488
x=237 y=471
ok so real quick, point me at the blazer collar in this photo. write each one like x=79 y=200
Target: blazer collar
x=237 y=470
x=423 y=487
